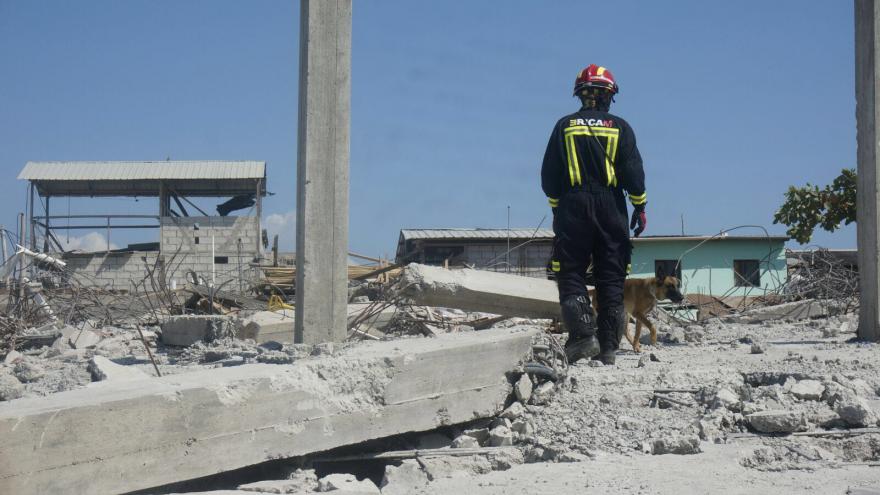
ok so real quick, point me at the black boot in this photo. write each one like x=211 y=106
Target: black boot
x=610 y=323
x=578 y=318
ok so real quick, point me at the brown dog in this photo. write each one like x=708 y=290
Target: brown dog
x=640 y=295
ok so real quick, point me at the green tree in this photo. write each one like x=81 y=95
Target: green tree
x=808 y=206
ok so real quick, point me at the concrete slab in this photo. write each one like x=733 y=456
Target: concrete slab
x=136 y=434
x=798 y=310
x=484 y=291
x=186 y=330
x=264 y=326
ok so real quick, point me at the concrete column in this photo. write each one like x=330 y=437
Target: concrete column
x=867 y=219
x=322 y=171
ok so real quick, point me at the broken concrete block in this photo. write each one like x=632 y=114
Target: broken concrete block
x=84 y=339
x=370 y=391
x=12 y=357
x=465 y=442
x=727 y=399
x=186 y=330
x=10 y=387
x=522 y=427
x=451 y=467
x=484 y=291
x=480 y=434
x=797 y=310
x=264 y=326
x=347 y=484
x=513 y=411
x=404 y=479
x=102 y=369
x=855 y=410
x=500 y=436
x=27 y=370
x=777 y=421
x=523 y=388
x=544 y=392
x=808 y=390
x=572 y=457
x=276 y=486
x=675 y=444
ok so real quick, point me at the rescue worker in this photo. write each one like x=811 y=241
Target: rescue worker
x=590 y=161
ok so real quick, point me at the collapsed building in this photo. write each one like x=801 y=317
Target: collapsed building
x=217 y=247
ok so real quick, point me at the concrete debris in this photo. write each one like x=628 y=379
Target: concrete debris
x=681 y=445
x=572 y=457
x=264 y=326
x=543 y=393
x=186 y=330
x=102 y=369
x=513 y=411
x=10 y=387
x=28 y=370
x=275 y=486
x=758 y=348
x=855 y=411
x=500 y=436
x=404 y=479
x=344 y=393
x=449 y=467
x=523 y=388
x=465 y=442
x=481 y=435
x=777 y=421
x=484 y=291
x=808 y=390
x=727 y=398
x=347 y=484
x=522 y=426
x=84 y=339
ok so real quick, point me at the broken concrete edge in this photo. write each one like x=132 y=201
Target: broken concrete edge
x=483 y=291
x=136 y=434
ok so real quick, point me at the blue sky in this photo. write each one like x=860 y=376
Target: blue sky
x=452 y=102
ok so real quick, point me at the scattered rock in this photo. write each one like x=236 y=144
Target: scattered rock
x=403 y=479
x=674 y=444
x=449 y=466
x=480 y=434
x=274 y=486
x=523 y=388
x=777 y=421
x=855 y=411
x=758 y=348
x=500 y=436
x=694 y=333
x=12 y=357
x=102 y=369
x=593 y=363
x=84 y=339
x=513 y=411
x=544 y=392
x=653 y=357
x=465 y=442
x=808 y=390
x=727 y=399
x=10 y=387
x=347 y=484
x=572 y=457
x=28 y=371
x=629 y=424
x=522 y=427
x=643 y=361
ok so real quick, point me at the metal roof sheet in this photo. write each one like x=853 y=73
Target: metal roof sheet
x=142 y=170
x=518 y=233
x=408 y=234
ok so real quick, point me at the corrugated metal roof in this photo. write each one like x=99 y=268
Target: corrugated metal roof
x=146 y=170
x=408 y=234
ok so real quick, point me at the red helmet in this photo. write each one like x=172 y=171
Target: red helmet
x=595 y=76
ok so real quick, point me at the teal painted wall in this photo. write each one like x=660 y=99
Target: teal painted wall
x=708 y=269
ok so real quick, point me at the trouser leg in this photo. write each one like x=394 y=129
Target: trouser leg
x=610 y=257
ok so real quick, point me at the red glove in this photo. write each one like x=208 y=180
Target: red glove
x=639 y=221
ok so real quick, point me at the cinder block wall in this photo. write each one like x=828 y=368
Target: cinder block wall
x=118 y=271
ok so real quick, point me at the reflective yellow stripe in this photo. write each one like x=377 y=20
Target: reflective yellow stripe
x=638 y=199
x=553 y=202
x=629 y=268
x=610 y=133
x=554 y=265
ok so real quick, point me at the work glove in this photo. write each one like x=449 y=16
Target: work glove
x=639 y=220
